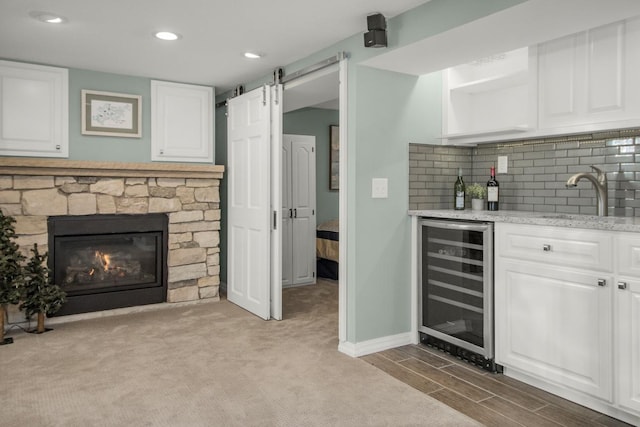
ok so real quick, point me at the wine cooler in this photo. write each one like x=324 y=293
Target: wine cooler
x=456 y=292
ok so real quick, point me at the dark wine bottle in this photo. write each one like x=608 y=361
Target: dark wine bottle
x=458 y=192
x=492 y=191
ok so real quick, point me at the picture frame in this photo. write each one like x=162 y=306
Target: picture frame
x=111 y=114
x=334 y=158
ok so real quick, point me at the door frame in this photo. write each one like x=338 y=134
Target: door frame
x=343 y=285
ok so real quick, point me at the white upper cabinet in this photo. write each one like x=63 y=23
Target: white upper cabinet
x=34 y=110
x=588 y=80
x=489 y=97
x=182 y=125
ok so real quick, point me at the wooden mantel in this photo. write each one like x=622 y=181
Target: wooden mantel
x=60 y=167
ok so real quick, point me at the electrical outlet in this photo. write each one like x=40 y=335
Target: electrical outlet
x=379 y=188
x=503 y=162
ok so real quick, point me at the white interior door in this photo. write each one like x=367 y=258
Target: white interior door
x=298 y=210
x=249 y=201
x=303 y=197
x=276 y=202
x=287 y=214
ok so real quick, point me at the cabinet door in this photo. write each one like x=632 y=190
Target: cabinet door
x=554 y=324
x=586 y=79
x=182 y=126
x=628 y=335
x=34 y=118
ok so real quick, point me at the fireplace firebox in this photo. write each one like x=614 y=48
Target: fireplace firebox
x=104 y=262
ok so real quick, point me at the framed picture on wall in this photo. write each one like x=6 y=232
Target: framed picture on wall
x=111 y=114
x=334 y=157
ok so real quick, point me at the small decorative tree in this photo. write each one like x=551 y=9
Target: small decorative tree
x=10 y=270
x=39 y=296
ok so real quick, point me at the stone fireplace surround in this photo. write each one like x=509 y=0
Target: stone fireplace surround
x=33 y=189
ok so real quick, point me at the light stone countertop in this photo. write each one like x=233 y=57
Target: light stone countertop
x=611 y=223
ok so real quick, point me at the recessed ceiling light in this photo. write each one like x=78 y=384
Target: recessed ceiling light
x=167 y=35
x=252 y=55
x=48 y=17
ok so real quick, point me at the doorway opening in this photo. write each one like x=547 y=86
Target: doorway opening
x=254 y=202
x=311 y=108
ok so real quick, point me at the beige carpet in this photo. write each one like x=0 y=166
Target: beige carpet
x=209 y=364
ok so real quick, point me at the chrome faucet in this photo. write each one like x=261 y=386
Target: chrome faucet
x=600 y=183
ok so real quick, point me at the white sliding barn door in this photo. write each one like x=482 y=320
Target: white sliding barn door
x=276 y=202
x=249 y=201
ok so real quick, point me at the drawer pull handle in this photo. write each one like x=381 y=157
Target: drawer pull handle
x=602 y=282
x=622 y=285
x=546 y=248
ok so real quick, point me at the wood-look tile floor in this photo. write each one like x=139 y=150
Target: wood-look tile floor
x=492 y=399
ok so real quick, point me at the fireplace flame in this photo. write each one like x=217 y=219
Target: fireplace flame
x=103 y=259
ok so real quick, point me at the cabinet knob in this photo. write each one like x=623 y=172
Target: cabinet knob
x=161 y=152
x=546 y=248
x=622 y=285
x=57 y=147
x=602 y=282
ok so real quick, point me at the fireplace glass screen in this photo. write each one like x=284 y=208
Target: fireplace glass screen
x=88 y=263
x=109 y=261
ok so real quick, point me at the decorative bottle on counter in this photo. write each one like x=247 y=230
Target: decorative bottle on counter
x=458 y=192
x=492 y=191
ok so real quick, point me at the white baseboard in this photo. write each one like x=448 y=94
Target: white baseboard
x=575 y=396
x=375 y=345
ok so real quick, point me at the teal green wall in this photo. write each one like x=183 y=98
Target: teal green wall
x=86 y=147
x=385 y=112
x=316 y=122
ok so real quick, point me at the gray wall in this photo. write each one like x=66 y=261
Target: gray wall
x=537 y=173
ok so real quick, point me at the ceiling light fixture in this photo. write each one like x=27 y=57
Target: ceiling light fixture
x=47 y=17
x=252 y=55
x=167 y=35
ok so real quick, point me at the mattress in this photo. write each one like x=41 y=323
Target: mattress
x=327 y=238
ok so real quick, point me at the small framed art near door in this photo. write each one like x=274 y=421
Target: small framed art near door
x=334 y=157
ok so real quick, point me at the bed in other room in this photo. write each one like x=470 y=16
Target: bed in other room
x=327 y=249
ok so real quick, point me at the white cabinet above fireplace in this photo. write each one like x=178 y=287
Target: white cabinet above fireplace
x=34 y=105
x=182 y=127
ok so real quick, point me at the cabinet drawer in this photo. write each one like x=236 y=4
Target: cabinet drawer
x=568 y=247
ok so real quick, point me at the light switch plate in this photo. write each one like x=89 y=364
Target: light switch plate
x=503 y=161
x=379 y=188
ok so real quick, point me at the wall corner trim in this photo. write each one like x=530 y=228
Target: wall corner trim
x=375 y=345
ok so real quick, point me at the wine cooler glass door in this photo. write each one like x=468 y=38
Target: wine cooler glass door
x=456 y=281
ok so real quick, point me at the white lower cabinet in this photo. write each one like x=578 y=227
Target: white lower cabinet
x=548 y=322
x=567 y=327
x=628 y=329
x=628 y=321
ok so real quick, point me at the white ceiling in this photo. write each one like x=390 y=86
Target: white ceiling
x=116 y=35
